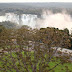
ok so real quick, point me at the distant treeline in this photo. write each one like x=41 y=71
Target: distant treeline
x=34 y=8
x=8 y=24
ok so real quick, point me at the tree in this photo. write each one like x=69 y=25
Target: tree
x=1 y=28
x=29 y=54
x=66 y=31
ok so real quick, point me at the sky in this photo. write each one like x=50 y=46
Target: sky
x=5 y=1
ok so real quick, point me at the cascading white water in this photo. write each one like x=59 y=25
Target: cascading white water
x=12 y=17
x=24 y=19
x=48 y=19
x=28 y=19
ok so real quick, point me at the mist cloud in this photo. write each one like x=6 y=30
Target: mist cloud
x=58 y=20
x=47 y=19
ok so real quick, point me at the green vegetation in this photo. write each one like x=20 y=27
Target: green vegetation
x=8 y=24
x=27 y=50
x=8 y=65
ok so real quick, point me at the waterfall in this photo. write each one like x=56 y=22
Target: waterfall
x=58 y=20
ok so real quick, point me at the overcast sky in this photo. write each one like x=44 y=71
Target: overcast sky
x=35 y=1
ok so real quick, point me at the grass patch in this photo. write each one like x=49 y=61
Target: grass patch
x=9 y=61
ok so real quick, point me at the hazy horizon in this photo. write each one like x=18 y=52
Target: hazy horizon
x=5 y=1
